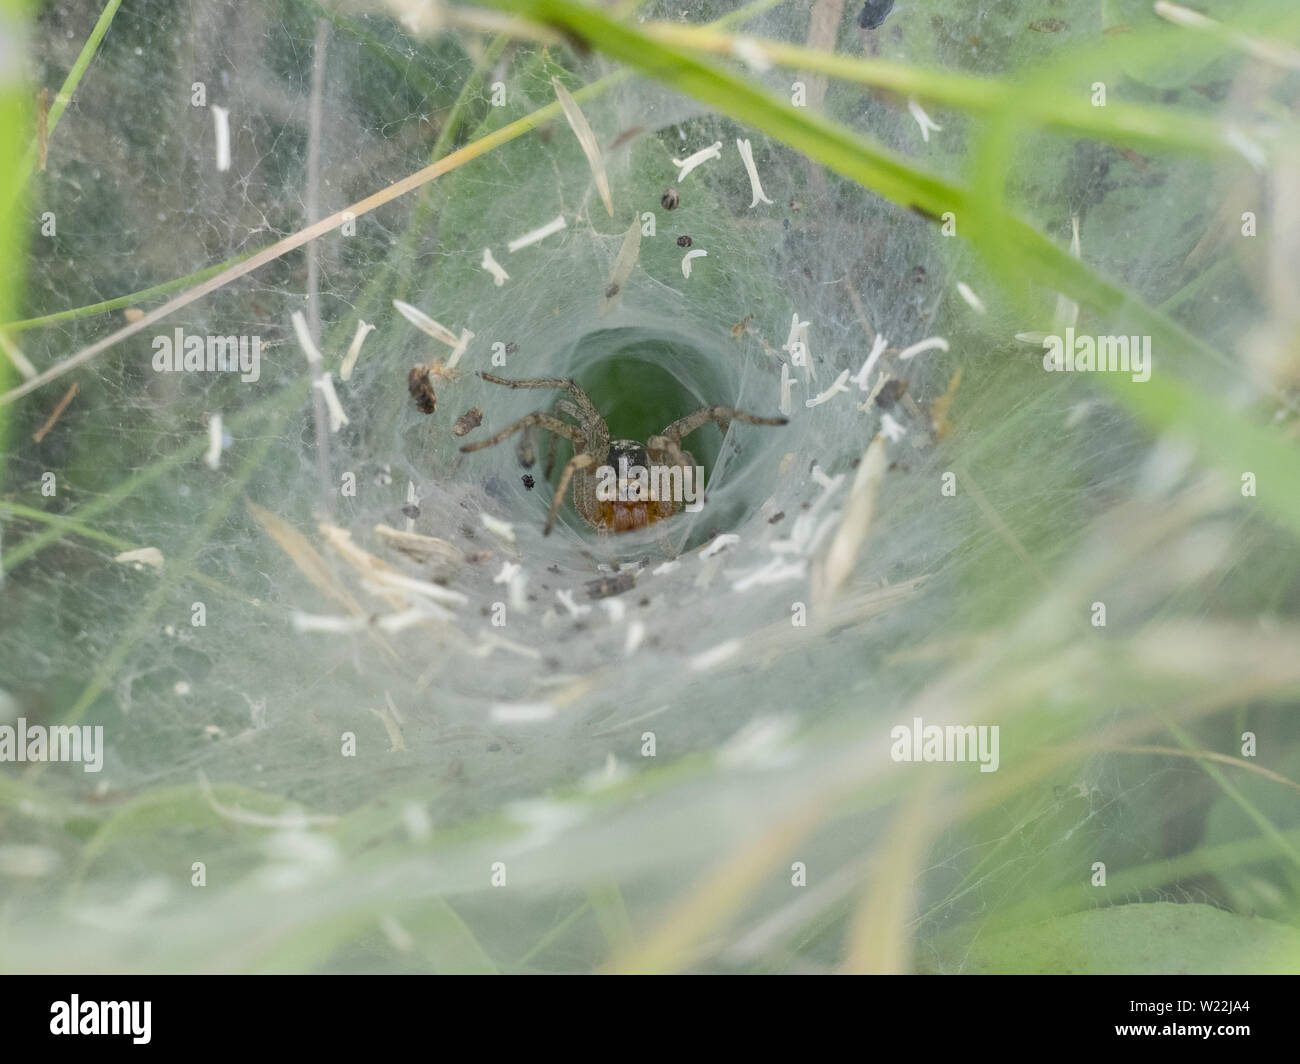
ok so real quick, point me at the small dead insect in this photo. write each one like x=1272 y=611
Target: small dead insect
x=918 y=274
x=411 y=510
x=611 y=291
x=511 y=348
x=684 y=241
x=471 y=419
x=421 y=389
x=593 y=449
x=741 y=327
x=890 y=393
x=528 y=480
x=670 y=200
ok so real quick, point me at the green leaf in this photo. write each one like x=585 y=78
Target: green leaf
x=1156 y=939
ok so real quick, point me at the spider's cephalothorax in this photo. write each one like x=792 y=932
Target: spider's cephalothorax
x=608 y=489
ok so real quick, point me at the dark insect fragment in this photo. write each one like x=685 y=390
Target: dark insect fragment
x=891 y=391
x=528 y=481
x=874 y=13
x=421 y=389
x=411 y=510
x=611 y=291
x=608 y=586
x=670 y=200
x=684 y=241
x=468 y=421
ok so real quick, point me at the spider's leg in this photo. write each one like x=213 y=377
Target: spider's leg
x=547 y=421
x=550 y=456
x=664 y=450
x=563 y=406
x=578 y=461
x=580 y=399
x=723 y=416
x=529 y=382
x=578 y=406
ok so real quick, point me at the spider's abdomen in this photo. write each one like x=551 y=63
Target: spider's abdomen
x=629 y=516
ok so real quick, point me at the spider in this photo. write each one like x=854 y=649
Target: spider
x=593 y=448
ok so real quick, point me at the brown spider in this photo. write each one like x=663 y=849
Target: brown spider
x=593 y=449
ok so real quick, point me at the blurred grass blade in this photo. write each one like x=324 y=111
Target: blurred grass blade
x=1054 y=109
